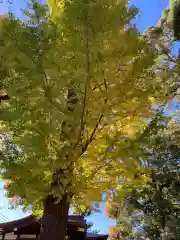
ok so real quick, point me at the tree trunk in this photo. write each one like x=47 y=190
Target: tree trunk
x=55 y=218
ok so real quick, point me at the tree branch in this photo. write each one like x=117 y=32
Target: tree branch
x=96 y=126
x=92 y=135
x=102 y=165
x=88 y=77
x=170 y=58
x=173 y=91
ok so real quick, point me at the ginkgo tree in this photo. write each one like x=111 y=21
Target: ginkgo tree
x=80 y=85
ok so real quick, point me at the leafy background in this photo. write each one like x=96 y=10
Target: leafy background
x=150 y=12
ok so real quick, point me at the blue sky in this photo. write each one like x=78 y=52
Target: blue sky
x=150 y=12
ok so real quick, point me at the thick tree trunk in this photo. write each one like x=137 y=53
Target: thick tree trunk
x=54 y=221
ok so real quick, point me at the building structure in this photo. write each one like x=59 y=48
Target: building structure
x=29 y=228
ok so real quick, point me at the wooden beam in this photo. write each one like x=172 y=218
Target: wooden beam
x=3 y=236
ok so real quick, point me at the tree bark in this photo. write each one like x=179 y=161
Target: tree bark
x=55 y=218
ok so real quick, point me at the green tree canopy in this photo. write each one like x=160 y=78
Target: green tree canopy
x=154 y=206
x=81 y=85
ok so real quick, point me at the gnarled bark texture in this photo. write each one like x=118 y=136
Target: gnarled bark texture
x=54 y=221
